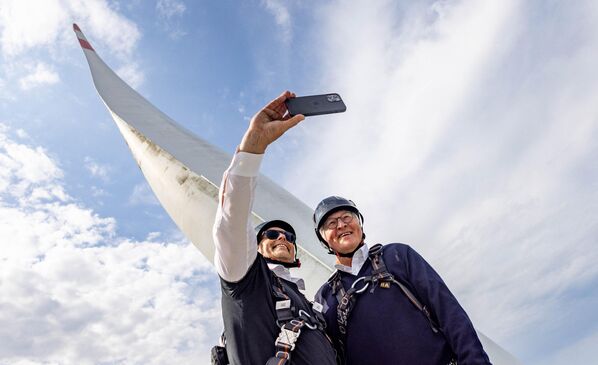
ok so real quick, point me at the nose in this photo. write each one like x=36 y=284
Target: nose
x=281 y=237
x=340 y=221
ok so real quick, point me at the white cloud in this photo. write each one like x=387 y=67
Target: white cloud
x=464 y=140
x=98 y=192
x=131 y=74
x=170 y=8
x=169 y=13
x=282 y=18
x=39 y=75
x=22 y=133
x=26 y=173
x=27 y=24
x=5 y=93
x=40 y=33
x=74 y=292
x=143 y=195
x=101 y=171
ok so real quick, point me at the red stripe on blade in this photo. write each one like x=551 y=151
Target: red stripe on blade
x=85 y=44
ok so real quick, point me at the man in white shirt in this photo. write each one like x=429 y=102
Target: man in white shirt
x=266 y=317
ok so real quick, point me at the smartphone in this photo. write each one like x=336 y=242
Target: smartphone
x=316 y=104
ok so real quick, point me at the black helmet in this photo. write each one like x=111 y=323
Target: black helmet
x=328 y=206
x=262 y=227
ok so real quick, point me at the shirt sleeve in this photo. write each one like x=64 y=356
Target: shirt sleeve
x=452 y=319
x=234 y=237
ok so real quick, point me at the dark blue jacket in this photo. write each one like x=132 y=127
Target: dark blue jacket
x=385 y=327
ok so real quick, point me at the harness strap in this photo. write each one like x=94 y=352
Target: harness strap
x=285 y=343
x=290 y=324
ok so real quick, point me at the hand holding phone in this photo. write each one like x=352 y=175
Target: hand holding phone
x=315 y=104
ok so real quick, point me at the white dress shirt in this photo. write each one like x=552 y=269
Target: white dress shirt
x=234 y=236
x=359 y=258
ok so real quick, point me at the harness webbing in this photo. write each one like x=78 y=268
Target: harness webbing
x=380 y=276
x=290 y=324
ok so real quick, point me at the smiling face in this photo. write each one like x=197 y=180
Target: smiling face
x=277 y=249
x=342 y=231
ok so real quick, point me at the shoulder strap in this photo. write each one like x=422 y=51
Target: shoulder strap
x=381 y=273
x=290 y=323
x=283 y=306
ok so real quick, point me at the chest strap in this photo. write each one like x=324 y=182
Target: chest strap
x=380 y=277
x=290 y=324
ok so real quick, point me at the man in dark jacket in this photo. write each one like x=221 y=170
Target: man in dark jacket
x=387 y=304
x=267 y=320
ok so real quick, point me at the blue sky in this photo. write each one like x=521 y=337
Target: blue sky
x=470 y=134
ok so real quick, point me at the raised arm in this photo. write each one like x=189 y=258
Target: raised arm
x=234 y=237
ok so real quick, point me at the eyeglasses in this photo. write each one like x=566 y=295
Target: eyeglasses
x=272 y=234
x=331 y=223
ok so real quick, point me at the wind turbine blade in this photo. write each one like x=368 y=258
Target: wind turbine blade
x=184 y=171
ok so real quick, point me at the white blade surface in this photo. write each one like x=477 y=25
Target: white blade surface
x=184 y=172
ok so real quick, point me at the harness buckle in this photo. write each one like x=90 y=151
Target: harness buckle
x=287 y=338
x=282 y=355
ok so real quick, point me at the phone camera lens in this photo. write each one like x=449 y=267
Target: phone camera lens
x=333 y=98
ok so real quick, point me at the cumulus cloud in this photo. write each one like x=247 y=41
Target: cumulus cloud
x=28 y=24
x=40 y=33
x=468 y=134
x=21 y=133
x=39 y=75
x=73 y=291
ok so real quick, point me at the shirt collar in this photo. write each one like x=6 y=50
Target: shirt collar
x=359 y=258
x=284 y=273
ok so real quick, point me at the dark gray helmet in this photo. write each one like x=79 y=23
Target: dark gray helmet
x=262 y=227
x=328 y=206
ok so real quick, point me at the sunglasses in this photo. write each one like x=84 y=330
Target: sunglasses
x=272 y=234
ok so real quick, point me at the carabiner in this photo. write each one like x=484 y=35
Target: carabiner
x=306 y=323
x=359 y=291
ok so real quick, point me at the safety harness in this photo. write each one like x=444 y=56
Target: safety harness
x=291 y=323
x=380 y=276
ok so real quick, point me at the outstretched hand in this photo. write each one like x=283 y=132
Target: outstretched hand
x=268 y=124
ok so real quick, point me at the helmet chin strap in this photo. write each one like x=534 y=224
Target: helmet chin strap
x=350 y=254
x=288 y=265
